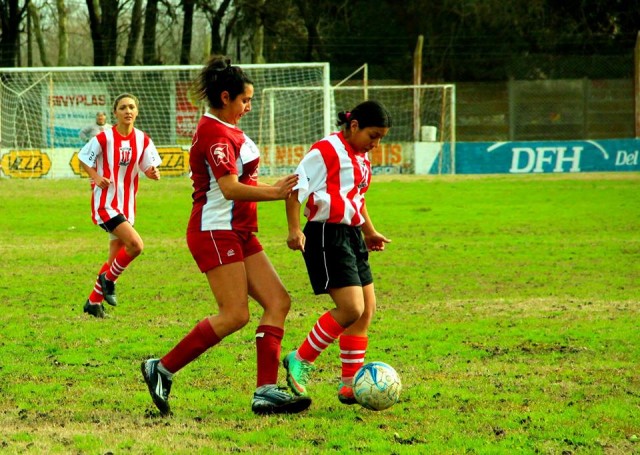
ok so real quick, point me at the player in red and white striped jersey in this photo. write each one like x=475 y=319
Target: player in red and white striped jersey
x=221 y=238
x=334 y=177
x=113 y=159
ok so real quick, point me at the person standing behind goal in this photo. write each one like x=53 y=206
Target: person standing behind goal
x=99 y=126
x=113 y=159
x=333 y=177
x=221 y=238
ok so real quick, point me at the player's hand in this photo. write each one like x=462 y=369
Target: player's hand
x=153 y=173
x=285 y=185
x=296 y=240
x=375 y=241
x=102 y=182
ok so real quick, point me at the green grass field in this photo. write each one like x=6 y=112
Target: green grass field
x=508 y=304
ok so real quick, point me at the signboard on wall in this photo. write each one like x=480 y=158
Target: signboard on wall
x=68 y=109
x=391 y=158
x=187 y=114
x=25 y=164
x=547 y=157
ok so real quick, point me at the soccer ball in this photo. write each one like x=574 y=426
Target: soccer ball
x=376 y=386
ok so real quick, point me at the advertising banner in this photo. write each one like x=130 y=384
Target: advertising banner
x=547 y=157
x=187 y=114
x=70 y=108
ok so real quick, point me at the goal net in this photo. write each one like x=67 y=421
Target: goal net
x=420 y=113
x=45 y=108
x=423 y=120
x=42 y=111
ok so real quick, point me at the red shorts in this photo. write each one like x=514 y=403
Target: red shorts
x=213 y=248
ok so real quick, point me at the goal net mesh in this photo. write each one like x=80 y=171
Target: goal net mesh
x=294 y=105
x=48 y=108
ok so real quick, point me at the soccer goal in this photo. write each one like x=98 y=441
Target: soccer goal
x=422 y=139
x=422 y=114
x=42 y=111
x=45 y=108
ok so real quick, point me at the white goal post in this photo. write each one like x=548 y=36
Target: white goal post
x=427 y=109
x=424 y=120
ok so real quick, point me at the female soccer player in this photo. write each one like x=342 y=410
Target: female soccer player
x=113 y=159
x=221 y=238
x=333 y=177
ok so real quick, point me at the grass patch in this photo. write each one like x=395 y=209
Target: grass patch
x=509 y=305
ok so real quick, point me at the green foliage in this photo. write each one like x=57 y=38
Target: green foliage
x=509 y=305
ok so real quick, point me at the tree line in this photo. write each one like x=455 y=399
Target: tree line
x=463 y=39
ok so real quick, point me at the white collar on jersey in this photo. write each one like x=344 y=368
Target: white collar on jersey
x=209 y=114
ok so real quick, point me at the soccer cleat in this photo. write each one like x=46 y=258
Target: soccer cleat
x=96 y=310
x=158 y=383
x=271 y=399
x=108 y=289
x=345 y=394
x=297 y=373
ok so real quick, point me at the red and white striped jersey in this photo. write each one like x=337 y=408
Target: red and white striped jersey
x=333 y=178
x=219 y=149
x=120 y=159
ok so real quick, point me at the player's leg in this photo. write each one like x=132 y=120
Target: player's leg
x=349 y=302
x=332 y=267
x=93 y=305
x=122 y=251
x=267 y=289
x=353 y=346
x=229 y=286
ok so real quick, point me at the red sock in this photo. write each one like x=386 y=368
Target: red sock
x=120 y=262
x=352 y=351
x=96 y=294
x=201 y=338
x=268 y=342
x=321 y=336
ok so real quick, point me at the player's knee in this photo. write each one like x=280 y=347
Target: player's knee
x=352 y=314
x=368 y=312
x=282 y=305
x=238 y=320
x=135 y=248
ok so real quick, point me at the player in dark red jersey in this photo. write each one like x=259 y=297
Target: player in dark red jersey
x=333 y=177
x=113 y=159
x=221 y=238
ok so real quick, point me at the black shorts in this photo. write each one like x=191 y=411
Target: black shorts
x=336 y=256
x=113 y=223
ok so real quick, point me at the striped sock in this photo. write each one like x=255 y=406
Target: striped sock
x=120 y=262
x=324 y=332
x=96 y=294
x=352 y=351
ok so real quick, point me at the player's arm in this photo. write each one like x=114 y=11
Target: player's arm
x=150 y=161
x=99 y=180
x=153 y=173
x=233 y=190
x=87 y=158
x=296 y=238
x=372 y=238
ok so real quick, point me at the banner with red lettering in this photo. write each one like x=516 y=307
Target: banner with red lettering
x=187 y=113
x=68 y=109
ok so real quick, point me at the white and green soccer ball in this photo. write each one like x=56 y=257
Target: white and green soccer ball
x=377 y=386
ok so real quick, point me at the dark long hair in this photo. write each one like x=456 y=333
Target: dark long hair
x=218 y=76
x=367 y=113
